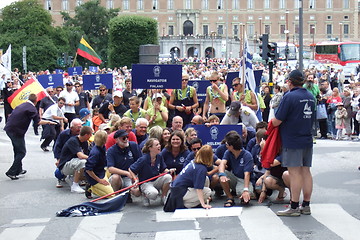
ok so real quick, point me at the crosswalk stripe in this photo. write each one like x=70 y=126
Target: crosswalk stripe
x=335 y=218
x=29 y=233
x=31 y=220
x=98 y=227
x=178 y=235
x=260 y=222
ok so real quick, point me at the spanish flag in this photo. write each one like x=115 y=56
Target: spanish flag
x=22 y=94
x=86 y=51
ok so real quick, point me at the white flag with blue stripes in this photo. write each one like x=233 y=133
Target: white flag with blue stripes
x=249 y=73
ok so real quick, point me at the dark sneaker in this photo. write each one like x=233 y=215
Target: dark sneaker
x=305 y=210
x=22 y=172
x=12 y=177
x=88 y=191
x=290 y=212
x=45 y=149
x=129 y=199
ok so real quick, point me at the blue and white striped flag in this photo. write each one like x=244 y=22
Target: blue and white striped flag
x=249 y=73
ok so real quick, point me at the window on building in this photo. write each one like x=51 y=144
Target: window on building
x=205 y=4
x=140 y=4
x=250 y=4
x=282 y=29
x=312 y=4
x=346 y=3
x=346 y=17
x=296 y=4
x=220 y=29
x=329 y=17
x=328 y=29
x=79 y=2
x=65 y=5
x=220 y=4
x=126 y=4
x=188 y=4
x=250 y=30
x=266 y=3
x=329 y=4
x=48 y=5
x=170 y=4
x=346 y=29
x=235 y=4
x=282 y=4
x=297 y=29
x=205 y=29
x=155 y=4
x=110 y=4
x=312 y=29
x=171 y=30
x=267 y=29
x=236 y=30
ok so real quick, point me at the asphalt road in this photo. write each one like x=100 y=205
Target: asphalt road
x=28 y=205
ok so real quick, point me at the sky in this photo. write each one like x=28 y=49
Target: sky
x=4 y=3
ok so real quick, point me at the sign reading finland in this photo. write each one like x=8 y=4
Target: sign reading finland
x=75 y=71
x=165 y=76
x=52 y=80
x=92 y=82
x=213 y=135
x=200 y=86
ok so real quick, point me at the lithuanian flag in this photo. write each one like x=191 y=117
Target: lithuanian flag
x=22 y=94
x=86 y=51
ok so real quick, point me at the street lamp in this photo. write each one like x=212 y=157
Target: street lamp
x=260 y=18
x=287 y=36
x=340 y=25
x=313 y=41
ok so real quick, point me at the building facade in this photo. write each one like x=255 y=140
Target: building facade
x=216 y=27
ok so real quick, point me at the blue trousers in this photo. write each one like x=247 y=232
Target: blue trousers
x=19 y=149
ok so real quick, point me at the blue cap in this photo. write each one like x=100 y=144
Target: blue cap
x=84 y=112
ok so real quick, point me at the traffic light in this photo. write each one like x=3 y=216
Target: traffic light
x=272 y=51
x=70 y=60
x=263 y=46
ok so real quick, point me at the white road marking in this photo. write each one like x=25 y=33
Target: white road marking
x=31 y=220
x=98 y=227
x=202 y=213
x=178 y=235
x=28 y=233
x=335 y=218
x=260 y=222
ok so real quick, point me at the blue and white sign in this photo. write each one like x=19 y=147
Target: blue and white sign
x=92 y=82
x=59 y=71
x=93 y=69
x=200 y=86
x=52 y=80
x=213 y=135
x=146 y=76
x=75 y=71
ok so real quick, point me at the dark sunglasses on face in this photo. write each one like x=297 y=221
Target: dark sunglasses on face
x=185 y=79
x=235 y=84
x=124 y=138
x=213 y=80
x=102 y=90
x=196 y=149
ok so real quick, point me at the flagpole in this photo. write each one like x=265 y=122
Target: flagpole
x=74 y=59
x=243 y=61
x=12 y=73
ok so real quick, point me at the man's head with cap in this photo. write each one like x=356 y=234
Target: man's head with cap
x=234 y=108
x=296 y=78
x=118 y=97
x=122 y=139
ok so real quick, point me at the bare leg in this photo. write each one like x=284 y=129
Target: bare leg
x=296 y=182
x=77 y=175
x=307 y=183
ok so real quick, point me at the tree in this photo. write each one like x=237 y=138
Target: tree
x=126 y=34
x=91 y=21
x=27 y=23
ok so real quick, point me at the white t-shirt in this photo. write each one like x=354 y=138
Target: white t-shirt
x=53 y=110
x=71 y=98
x=248 y=117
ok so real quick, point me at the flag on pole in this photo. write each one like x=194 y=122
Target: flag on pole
x=22 y=94
x=86 y=51
x=248 y=68
x=6 y=58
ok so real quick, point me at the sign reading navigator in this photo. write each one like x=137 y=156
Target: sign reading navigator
x=146 y=76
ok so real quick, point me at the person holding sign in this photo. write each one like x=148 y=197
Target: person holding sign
x=184 y=100
x=216 y=97
x=157 y=114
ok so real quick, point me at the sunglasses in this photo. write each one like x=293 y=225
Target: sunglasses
x=124 y=138
x=102 y=90
x=196 y=149
x=213 y=80
x=77 y=86
x=50 y=91
x=185 y=79
x=235 y=84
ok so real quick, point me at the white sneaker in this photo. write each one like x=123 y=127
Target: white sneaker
x=59 y=184
x=76 y=188
x=69 y=180
x=146 y=201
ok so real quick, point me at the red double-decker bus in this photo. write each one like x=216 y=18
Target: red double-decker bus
x=338 y=52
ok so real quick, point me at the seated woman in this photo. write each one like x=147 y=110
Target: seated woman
x=94 y=168
x=175 y=152
x=157 y=114
x=190 y=134
x=190 y=188
x=150 y=165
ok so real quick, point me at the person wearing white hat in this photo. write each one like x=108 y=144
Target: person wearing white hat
x=157 y=115
x=114 y=107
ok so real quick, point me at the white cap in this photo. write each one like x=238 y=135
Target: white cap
x=156 y=95
x=118 y=94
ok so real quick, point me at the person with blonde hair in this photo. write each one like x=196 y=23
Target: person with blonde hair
x=190 y=188
x=98 y=183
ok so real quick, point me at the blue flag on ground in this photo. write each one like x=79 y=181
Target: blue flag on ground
x=114 y=204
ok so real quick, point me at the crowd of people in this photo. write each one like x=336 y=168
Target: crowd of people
x=110 y=139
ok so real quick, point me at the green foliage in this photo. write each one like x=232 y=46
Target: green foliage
x=27 y=23
x=126 y=34
x=91 y=21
